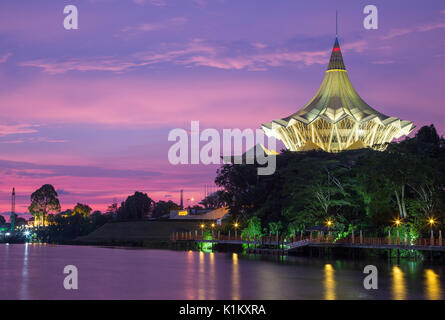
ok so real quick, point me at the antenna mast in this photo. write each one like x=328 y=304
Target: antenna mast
x=12 y=219
x=336 y=23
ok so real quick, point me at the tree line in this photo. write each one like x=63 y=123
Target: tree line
x=360 y=189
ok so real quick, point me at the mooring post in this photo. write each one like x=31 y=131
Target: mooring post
x=398 y=239
x=440 y=238
x=389 y=236
x=432 y=238
x=301 y=235
x=361 y=237
x=219 y=235
x=352 y=237
x=229 y=235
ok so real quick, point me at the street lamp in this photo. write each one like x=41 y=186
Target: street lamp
x=236 y=226
x=431 y=221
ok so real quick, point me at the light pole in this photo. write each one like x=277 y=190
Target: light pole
x=397 y=222
x=236 y=227
x=431 y=221
x=329 y=224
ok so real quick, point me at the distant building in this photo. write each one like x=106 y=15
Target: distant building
x=204 y=215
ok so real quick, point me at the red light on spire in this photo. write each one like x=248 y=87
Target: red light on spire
x=336 y=49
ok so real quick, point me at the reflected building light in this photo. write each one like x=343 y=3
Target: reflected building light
x=398 y=284
x=329 y=282
x=235 y=277
x=24 y=282
x=433 y=289
x=189 y=275
x=212 y=276
x=201 y=277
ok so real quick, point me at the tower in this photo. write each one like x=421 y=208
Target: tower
x=181 y=206
x=337 y=118
x=12 y=218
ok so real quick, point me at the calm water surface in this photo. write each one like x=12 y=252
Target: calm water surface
x=36 y=272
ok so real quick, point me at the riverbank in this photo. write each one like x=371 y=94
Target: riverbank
x=136 y=233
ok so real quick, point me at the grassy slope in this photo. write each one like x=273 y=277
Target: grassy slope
x=138 y=231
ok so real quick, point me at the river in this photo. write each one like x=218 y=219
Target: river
x=32 y=271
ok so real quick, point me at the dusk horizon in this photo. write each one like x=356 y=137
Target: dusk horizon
x=89 y=111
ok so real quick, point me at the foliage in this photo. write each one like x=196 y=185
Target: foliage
x=162 y=208
x=82 y=209
x=359 y=189
x=135 y=207
x=62 y=228
x=43 y=201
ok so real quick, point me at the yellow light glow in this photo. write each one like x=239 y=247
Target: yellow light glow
x=213 y=225
x=432 y=285
x=397 y=222
x=329 y=223
x=236 y=225
x=431 y=221
x=202 y=226
x=333 y=70
x=398 y=284
x=183 y=213
x=329 y=282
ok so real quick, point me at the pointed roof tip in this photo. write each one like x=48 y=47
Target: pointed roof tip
x=336 y=61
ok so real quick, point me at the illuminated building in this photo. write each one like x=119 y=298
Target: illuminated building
x=337 y=118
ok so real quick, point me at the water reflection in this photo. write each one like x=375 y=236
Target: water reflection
x=398 y=284
x=212 y=276
x=433 y=289
x=201 y=277
x=329 y=282
x=189 y=272
x=24 y=283
x=235 y=277
x=34 y=272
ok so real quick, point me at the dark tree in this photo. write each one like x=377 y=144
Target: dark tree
x=162 y=208
x=82 y=209
x=43 y=201
x=136 y=207
x=2 y=220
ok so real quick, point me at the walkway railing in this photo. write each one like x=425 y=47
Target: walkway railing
x=319 y=239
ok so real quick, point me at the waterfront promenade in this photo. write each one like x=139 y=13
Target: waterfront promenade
x=289 y=244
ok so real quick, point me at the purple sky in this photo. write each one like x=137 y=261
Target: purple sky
x=89 y=110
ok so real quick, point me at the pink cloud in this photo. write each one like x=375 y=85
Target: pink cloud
x=16 y=129
x=136 y=102
x=196 y=53
x=5 y=57
x=420 y=28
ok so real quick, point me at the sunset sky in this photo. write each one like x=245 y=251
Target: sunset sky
x=89 y=110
